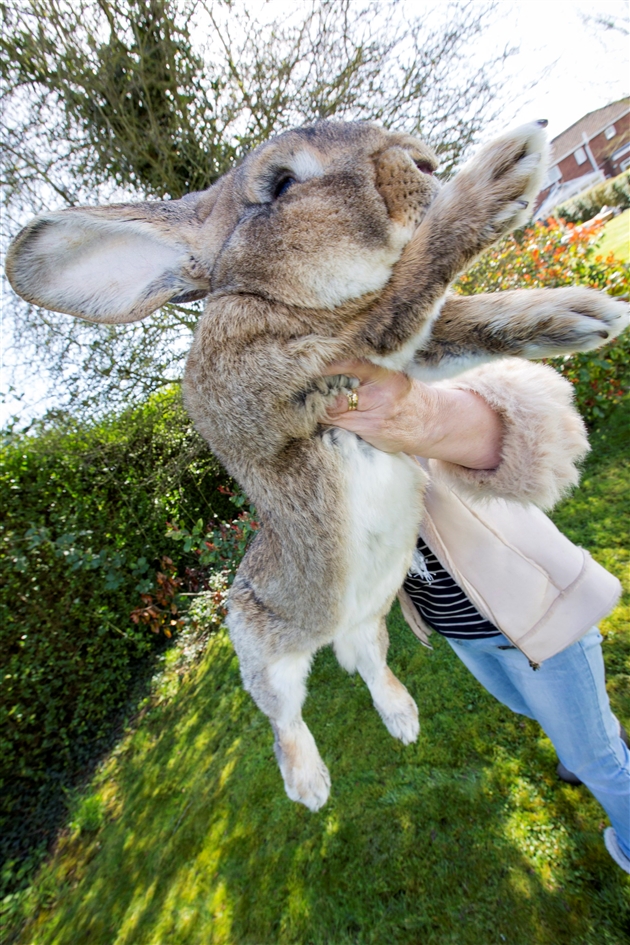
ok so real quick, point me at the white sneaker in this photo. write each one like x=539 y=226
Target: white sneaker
x=612 y=845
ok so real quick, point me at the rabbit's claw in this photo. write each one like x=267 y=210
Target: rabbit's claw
x=330 y=385
x=324 y=390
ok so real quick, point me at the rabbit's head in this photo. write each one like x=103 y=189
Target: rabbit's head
x=312 y=218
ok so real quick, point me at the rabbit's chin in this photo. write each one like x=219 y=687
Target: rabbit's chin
x=349 y=275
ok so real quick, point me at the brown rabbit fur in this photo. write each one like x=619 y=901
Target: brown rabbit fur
x=328 y=242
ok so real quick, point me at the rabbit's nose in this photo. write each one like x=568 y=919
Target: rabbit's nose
x=424 y=166
x=406 y=193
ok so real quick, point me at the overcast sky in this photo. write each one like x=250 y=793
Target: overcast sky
x=574 y=66
x=578 y=66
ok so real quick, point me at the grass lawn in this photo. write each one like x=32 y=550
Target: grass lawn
x=616 y=237
x=185 y=835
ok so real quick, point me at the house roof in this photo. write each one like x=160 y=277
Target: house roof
x=590 y=125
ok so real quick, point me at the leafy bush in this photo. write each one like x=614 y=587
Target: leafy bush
x=85 y=509
x=552 y=254
x=610 y=193
x=214 y=551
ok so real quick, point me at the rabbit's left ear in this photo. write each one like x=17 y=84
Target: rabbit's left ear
x=111 y=264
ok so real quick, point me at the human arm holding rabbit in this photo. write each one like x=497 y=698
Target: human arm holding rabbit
x=508 y=428
x=398 y=414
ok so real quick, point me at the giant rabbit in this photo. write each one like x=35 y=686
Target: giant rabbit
x=328 y=242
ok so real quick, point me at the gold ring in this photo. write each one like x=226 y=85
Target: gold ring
x=353 y=399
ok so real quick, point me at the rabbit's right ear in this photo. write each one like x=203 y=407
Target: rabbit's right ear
x=113 y=264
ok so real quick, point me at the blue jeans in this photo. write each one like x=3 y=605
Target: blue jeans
x=567 y=697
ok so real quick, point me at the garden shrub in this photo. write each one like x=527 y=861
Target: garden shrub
x=610 y=193
x=83 y=532
x=553 y=254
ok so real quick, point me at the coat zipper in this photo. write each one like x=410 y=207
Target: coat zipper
x=460 y=580
x=533 y=665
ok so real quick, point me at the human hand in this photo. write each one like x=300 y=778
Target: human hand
x=398 y=414
x=390 y=409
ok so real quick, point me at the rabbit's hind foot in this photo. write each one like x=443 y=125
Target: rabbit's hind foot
x=277 y=683
x=365 y=650
x=396 y=708
x=306 y=778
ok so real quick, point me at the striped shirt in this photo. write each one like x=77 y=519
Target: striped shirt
x=441 y=602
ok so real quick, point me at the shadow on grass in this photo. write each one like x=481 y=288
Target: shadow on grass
x=465 y=837
x=33 y=812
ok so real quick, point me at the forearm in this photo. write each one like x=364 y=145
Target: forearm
x=456 y=426
x=544 y=436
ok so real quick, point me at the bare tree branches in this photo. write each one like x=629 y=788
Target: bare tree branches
x=122 y=82
x=609 y=23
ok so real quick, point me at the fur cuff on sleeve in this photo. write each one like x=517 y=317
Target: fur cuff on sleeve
x=544 y=434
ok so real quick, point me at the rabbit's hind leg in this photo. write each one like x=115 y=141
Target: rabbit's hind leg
x=277 y=684
x=364 y=648
x=306 y=777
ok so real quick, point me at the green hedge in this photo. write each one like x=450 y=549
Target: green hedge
x=83 y=528
x=610 y=193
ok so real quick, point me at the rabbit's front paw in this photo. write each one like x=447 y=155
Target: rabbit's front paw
x=324 y=390
x=329 y=385
x=511 y=171
x=306 y=777
x=588 y=320
x=494 y=194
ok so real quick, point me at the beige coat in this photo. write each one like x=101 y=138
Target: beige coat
x=520 y=572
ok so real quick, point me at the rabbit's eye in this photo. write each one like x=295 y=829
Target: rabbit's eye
x=283 y=185
x=424 y=166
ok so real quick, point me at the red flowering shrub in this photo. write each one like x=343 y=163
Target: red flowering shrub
x=211 y=553
x=552 y=254
x=160 y=610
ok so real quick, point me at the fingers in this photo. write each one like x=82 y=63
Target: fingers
x=364 y=370
x=384 y=405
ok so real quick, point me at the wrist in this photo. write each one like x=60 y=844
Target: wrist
x=456 y=426
x=425 y=429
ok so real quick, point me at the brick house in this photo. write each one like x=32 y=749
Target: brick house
x=594 y=148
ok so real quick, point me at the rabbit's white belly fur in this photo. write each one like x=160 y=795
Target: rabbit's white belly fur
x=384 y=495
